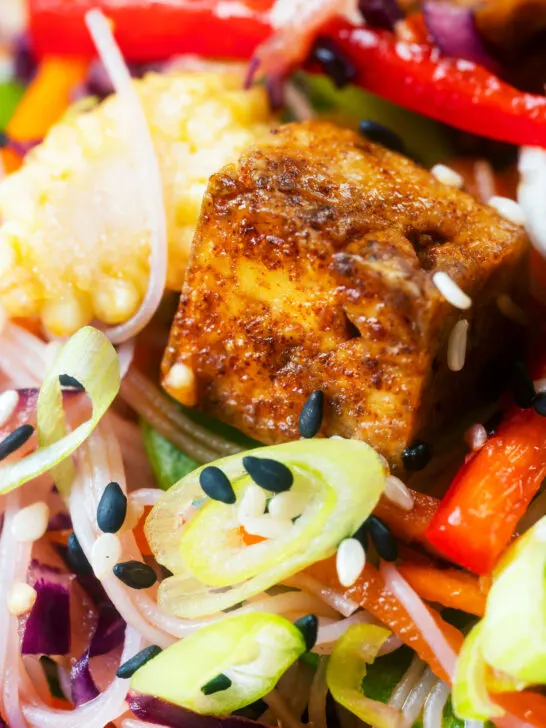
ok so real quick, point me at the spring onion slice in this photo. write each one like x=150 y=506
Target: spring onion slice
x=251 y=650
x=471 y=699
x=340 y=482
x=518 y=646
x=90 y=358
x=346 y=670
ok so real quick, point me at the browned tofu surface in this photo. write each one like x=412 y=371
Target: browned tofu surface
x=312 y=269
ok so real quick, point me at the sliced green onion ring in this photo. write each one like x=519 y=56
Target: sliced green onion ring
x=471 y=699
x=89 y=357
x=341 y=481
x=518 y=646
x=251 y=650
x=346 y=670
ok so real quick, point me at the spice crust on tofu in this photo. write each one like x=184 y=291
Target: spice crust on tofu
x=312 y=268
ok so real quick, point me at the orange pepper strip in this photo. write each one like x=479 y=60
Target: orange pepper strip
x=409 y=526
x=370 y=592
x=45 y=101
x=449 y=587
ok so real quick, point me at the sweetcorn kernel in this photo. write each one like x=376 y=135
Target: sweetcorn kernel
x=74 y=239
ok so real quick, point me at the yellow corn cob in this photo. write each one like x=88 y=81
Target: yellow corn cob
x=74 y=244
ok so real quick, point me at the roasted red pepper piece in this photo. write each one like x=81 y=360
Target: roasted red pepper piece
x=478 y=515
x=450 y=90
x=153 y=30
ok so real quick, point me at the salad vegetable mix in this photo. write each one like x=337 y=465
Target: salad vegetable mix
x=312 y=494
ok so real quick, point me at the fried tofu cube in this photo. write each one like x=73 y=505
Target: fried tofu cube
x=312 y=268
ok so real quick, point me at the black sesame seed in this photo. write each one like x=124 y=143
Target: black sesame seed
x=269 y=474
x=416 y=456
x=112 y=509
x=522 y=385
x=308 y=626
x=217 y=684
x=311 y=414
x=333 y=61
x=493 y=422
x=539 y=403
x=135 y=574
x=76 y=556
x=361 y=535
x=380 y=134
x=129 y=668
x=65 y=380
x=15 y=440
x=382 y=539
x=216 y=485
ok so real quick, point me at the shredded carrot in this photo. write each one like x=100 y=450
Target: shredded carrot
x=449 y=587
x=409 y=526
x=140 y=536
x=59 y=537
x=45 y=101
x=249 y=539
x=370 y=592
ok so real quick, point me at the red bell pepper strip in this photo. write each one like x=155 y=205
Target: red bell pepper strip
x=414 y=75
x=154 y=30
x=450 y=90
x=478 y=515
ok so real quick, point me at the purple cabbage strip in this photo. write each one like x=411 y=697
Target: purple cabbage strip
x=47 y=627
x=154 y=710
x=381 y=13
x=59 y=522
x=453 y=29
x=109 y=634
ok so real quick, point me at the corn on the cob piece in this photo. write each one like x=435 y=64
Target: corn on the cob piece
x=74 y=244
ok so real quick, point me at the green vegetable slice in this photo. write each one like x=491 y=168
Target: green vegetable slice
x=169 y=464
x=91 y=359
x=341 y=481
x=251 y=650
x=517 y=646
x=347 y=669
x=471 y=699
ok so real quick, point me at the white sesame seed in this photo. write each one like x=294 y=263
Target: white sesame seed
x=476 y=437
x=252 y=503
x=447 y=176
x=511 y=310
x=105 y=554
x=8 y=404
x=456 y=348
x=397 y=492
x=287 y=505
x=21 y=598
x=267 y=526
x=508 y=209
x=350 y=561
x=451 y=291
x=30 y=523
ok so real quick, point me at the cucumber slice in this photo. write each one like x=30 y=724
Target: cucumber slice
x=251 y=650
